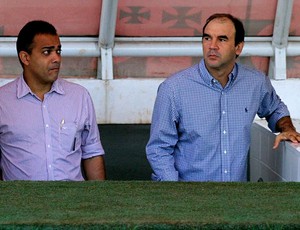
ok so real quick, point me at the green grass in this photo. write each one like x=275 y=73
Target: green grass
x=149 y=205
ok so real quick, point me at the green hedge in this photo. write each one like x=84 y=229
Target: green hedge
x=149 y=205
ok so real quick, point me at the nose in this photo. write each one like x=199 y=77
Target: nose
x=213 y=44
x=56 y=57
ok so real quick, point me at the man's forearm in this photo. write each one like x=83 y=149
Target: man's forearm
x=285 y=124
x=94 y=168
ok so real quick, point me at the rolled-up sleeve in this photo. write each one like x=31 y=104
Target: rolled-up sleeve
x=271 y=107
x=91 y=145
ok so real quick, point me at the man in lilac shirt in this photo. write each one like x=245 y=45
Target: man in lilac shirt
x=48 y=128
x=202 y=116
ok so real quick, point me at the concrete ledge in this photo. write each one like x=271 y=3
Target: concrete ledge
x=267 y=164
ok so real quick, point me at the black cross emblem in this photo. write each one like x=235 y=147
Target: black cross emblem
x=181 y=16
x=135 y=14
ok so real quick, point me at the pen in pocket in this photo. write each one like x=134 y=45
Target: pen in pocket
x=62 y=123
x=74 y=144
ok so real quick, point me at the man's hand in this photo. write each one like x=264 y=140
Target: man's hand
x=292 y=136
x=288 y=132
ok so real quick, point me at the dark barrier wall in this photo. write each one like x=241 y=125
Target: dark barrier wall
x=125 y=151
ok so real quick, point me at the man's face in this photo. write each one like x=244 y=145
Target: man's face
x=218 y=43
x=43 y=64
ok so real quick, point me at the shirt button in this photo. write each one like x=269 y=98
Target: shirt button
x=47 y=126
x=225 y=152
x=50 y=166
x=224 y=132
x=225 y=171
x=48 y=146
x=223 y=112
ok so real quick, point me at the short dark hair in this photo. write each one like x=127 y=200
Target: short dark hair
x=29 y=31
x=238 y=25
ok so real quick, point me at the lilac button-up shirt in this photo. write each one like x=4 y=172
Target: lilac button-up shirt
x=46 y=140
x=200 y=131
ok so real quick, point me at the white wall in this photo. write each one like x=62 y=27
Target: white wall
x=130 y=101
x=289 y=91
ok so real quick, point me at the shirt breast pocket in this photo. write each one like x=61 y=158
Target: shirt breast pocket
x=67 y=136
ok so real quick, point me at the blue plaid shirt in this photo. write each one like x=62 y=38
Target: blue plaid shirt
x=200 y=131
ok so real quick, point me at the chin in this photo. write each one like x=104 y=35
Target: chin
x=53 y=78
x=213 y=65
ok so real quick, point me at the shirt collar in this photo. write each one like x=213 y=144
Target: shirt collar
x=208 y=79
x=23 y=89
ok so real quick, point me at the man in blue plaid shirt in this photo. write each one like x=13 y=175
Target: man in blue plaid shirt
x=202 y=116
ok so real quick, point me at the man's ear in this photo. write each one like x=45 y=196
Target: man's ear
x=24 y=57
x=239 y=48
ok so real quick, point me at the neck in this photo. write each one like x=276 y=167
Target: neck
x=221 y=77
x=221 y=74
x=40 y=91
x=38 y=88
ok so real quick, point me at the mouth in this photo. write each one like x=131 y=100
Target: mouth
x=56 y=68
x=213 y=55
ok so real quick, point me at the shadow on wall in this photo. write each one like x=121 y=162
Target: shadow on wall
x=125 y=157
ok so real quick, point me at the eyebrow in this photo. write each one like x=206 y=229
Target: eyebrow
x=51 y=47
x=221 y=36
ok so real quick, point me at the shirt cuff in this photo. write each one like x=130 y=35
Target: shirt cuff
x=92 y=150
